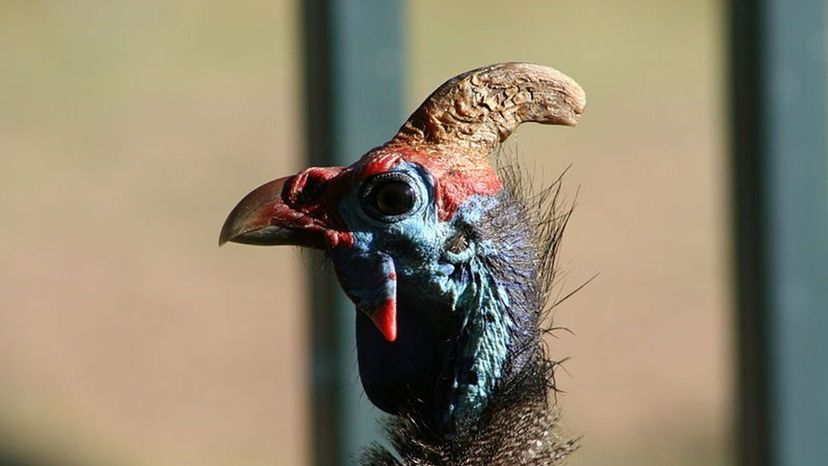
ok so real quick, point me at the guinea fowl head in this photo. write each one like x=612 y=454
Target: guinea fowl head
x=437 y=255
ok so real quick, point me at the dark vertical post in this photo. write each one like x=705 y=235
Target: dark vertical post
x=780 y=190
x=353 y=99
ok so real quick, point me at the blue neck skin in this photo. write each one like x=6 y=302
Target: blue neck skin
x=483 y=339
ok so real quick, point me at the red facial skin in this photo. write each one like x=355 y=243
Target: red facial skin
x=317 y=191
x=303 y=209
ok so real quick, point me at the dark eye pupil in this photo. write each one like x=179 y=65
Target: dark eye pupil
x=394 y=198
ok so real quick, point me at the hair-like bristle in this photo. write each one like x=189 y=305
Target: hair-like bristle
x=518 y=428
x=547 y=217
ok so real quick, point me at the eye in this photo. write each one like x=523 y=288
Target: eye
x=394 y=198
x=390 y=196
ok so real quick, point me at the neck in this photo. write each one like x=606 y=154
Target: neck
x=481 y=350
x=451 y=359
x=492 y=345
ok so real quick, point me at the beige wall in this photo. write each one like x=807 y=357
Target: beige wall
x=127 y=132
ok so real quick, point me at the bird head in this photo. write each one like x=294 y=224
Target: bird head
x=433 y=250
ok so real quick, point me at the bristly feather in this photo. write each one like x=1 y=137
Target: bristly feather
x=520 y=426
x=547 y=216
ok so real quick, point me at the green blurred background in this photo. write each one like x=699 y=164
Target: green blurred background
x=129 y=129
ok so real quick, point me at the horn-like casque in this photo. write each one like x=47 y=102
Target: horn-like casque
x=475 y=111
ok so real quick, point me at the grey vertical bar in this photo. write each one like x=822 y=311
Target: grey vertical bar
x=780 y=191
x=797 y=223
x=354 y=95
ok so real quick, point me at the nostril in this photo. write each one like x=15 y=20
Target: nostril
x=311 y=191
x=308 y=187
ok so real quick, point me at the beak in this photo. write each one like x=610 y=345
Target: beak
x=263 y=218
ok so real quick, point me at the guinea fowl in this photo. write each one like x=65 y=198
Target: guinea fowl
x=449 y=263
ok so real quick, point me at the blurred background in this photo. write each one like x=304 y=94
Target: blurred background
x=129 y=129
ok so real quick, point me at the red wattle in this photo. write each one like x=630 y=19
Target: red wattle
x=385 y=318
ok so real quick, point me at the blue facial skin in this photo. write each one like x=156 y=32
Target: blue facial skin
x=458 y=333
